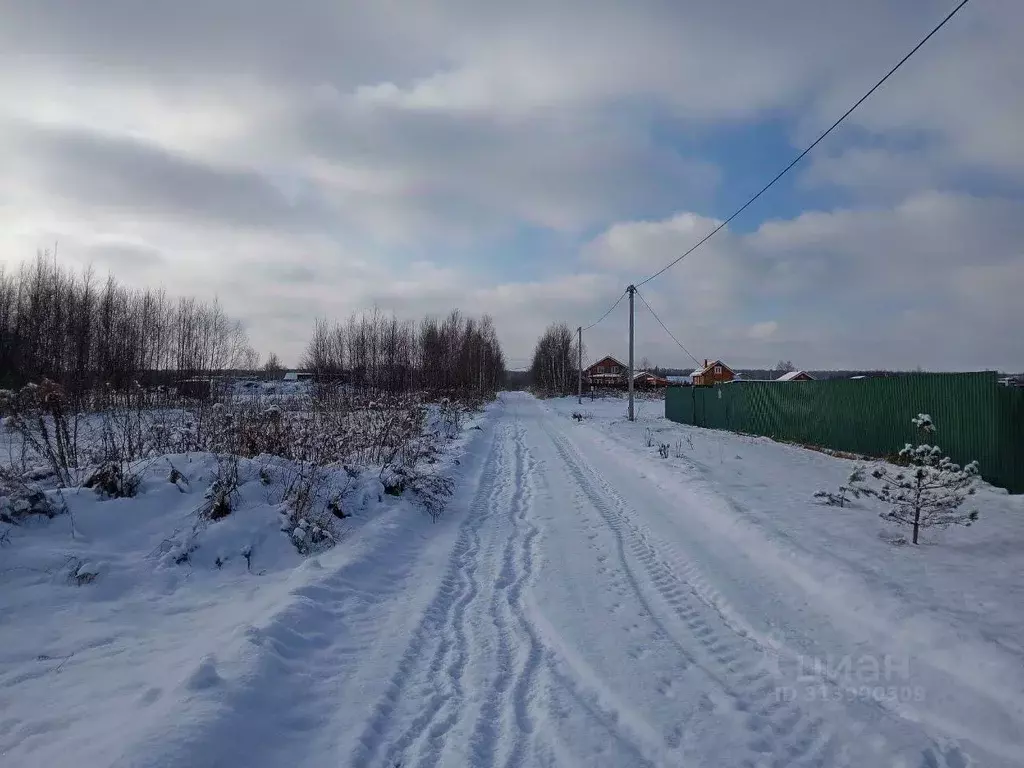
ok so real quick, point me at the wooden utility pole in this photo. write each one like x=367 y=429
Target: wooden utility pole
x=579 y=365
x=631 y=290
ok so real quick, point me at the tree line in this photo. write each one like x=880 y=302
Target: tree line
x=556 y=361
x=82 y=331
x=457 y=354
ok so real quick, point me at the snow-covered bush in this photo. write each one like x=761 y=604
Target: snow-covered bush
x=21 y=498
x=432 y=490
x=411 y=470
x=313 y=433
x=219 y=497
x=40 y=416
x=312 y=507
x=114 y=480
x=81 y=573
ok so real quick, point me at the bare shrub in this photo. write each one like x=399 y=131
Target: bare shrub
x=220 y=496
x=452 y=414
x=39 y=415
x=113 y=480
x=680 y=451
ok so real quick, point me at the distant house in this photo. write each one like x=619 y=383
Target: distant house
x=298 y=376
x=645 y=380
x=796 y=376
x=606 y=372
x=714 y=372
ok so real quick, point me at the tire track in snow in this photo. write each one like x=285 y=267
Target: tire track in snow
x=566 y=672
x=442 y=629
x=525 y=557
x=574 y=678
x=514 y=680
x=486 y=731
x=776 y=728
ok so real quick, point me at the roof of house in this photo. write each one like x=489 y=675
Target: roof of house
x=605 y=359
x=793 y=375
x=711 y=365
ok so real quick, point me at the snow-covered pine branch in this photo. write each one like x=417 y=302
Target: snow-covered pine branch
x=854 y=488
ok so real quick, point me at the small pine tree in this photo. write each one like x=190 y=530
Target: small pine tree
x=931 y=490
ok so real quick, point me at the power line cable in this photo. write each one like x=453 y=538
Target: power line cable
x=671 y=335
x=815 y=143
x=587 y=328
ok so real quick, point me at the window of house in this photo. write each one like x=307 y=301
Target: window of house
x=718 y=369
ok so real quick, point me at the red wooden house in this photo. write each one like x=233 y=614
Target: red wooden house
x=606 y=372
x=713 y=372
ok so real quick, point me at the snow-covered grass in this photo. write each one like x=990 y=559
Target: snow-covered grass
x=953 y=606
x=118 y=611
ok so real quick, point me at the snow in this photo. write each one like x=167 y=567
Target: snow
x=791 y=376
x=583 y=602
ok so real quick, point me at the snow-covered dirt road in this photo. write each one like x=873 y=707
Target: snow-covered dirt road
x=577 y=606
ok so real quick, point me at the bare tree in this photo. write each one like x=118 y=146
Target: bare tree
x=273 y=364
x=554 y=368
x=82 y=333
x=457 y=356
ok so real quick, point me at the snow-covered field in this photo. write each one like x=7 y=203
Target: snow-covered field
x=583 y=602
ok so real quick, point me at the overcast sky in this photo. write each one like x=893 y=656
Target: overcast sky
x=530 y=159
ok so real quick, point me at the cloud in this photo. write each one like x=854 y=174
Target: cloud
x=932 y=281
x=318 y=157
x=763 y=330
x=92 y=169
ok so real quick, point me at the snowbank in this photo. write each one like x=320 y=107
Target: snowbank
x=951 y=610
x=120 y=614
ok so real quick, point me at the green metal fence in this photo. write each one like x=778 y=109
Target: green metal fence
x=975 y=416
